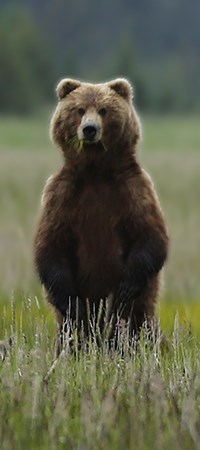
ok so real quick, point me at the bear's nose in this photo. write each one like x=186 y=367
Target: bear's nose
x=89 y=131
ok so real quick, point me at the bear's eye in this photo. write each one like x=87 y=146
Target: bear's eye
x=81 y=111
x=102 y=112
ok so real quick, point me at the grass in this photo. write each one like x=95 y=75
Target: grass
x=146 y=399
x=171 y=134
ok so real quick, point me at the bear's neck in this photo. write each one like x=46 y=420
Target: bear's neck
x=103 y=165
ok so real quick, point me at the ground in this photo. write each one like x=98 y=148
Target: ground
x=147 y=399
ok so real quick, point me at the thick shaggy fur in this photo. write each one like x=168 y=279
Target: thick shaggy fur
x=101 y=233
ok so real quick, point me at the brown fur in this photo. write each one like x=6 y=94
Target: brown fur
x=101 y=230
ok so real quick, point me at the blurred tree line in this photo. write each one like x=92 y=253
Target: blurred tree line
x=153 y=43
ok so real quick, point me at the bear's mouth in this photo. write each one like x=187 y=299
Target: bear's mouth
x=95 y=145
x=89 y=142
x=82 y=144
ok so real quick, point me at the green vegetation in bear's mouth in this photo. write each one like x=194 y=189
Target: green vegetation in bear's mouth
x=76 y=143
x=80 y=144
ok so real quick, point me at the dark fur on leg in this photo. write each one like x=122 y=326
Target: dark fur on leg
x=142 y=265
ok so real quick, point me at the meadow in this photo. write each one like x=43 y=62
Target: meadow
x=146 y=398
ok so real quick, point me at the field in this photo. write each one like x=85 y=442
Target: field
x=146 y=399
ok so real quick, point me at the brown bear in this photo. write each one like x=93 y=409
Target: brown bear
x=102 y=238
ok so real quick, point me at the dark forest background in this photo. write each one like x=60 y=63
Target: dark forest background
x=156 y=44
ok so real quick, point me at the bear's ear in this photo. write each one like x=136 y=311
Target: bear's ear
x=122 y=87
x=66 y=86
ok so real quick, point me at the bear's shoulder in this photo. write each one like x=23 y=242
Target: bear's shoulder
x=55 y=188
x=47 y=190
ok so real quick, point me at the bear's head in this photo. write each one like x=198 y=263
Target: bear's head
x=95 y=117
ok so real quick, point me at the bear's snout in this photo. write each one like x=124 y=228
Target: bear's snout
x=90 y=130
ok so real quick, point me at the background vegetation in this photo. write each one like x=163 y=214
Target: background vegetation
x=154 y=43
x=146 y=399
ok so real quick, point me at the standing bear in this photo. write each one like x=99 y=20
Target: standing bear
x=101 y=241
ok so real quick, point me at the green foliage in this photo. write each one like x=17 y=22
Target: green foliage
x=26 y=68
x=146 y=398
x=155 y=44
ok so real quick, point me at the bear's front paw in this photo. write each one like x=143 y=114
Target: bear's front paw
x=128 y=292
x=66 y=303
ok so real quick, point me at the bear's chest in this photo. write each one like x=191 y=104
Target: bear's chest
x=97 y=213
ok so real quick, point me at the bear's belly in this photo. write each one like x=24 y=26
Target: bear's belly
x=99 y=263
x=100 y=252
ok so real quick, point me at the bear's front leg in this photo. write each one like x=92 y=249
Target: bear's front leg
x=59 y=283
x=141 y=270
x=57 y=277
